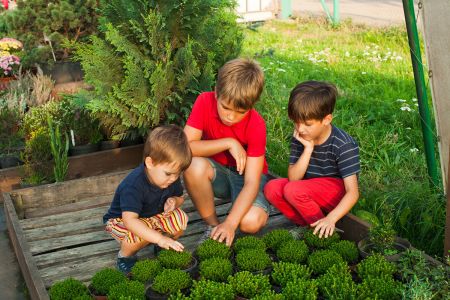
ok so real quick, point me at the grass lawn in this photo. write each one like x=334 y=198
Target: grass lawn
x=377 y=106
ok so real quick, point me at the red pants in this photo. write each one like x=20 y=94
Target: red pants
x=305 y=201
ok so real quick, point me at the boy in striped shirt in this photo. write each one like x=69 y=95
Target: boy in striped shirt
x=322 y=183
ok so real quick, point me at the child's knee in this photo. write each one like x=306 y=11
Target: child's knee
x=199 y=168
x=274 y=189
x=254 y=220
x=293 y=191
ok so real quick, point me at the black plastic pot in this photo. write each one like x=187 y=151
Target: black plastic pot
x=108 y=145
x=83 y=149
x=9 y=162
x=192 y=268
x=365 y=248
x=152 y=295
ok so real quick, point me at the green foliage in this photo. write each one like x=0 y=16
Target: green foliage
x=178 y=296
x=314 y=241
x=383 y=287
x=216 y=269
x=37 y=158
x=154 y=57
x=145 y=270
x=63 y=22
x=346 y=249
x=284 y=272
x=276 y=238
x=270 y=295
x=337 y=283
x=211 y=290
x=248 y=242
x=375 y=265
x=103 y=280
x=247 y=285
x=212 y=248
x=253 y=260
x=172 y=259
x=67 y=289
x=320 y=261
x=293 y=251
x=171 y=280
x=127 y=290
x=301 y=289
x=60 y=150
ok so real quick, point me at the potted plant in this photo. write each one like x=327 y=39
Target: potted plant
x=207 y=289
x=314 y=241
x=103 y=280
x=293 y=251
x=167 y=282
x=337 y=283
x=375 y=265
x=284 y=272
x=248 y=242
x=9 y=61
x=320 y=261
x=69 y=288
x=248 y=285
x=10 y=139
x=301 y=289
x=127 y=290
x=59 y=147
x=270 y=295
x=146 y=270
x=346 y=249
x=253 y=260
x=211 y=248
x=276 y=238
x=383 y=287
x=172 y=259
x=216 y=269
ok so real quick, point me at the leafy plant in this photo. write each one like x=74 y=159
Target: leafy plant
x=375 y=265
x=293 y=251
x=284 y=272
x=207 y=289
x=37 y=158
x=103 y=280
x=346 y=249
x=216 y=269
x=171 y=280
x=145 y=270
x=314 y=241
x=247 y=285
x=253 y=260
x=382 y=287
x=276 y=238
x=337 y=283
x=127 y=290
x=178 y=296
x=67 y=289
x=212 y=248
x=320 y=261
x=248 y=242
x=172 y=259
x=301 y=289
x=60 y=149
x=270 y=295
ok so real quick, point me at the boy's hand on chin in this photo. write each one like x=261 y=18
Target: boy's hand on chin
x=223 y=232
x=324 y=227
x=309 y=144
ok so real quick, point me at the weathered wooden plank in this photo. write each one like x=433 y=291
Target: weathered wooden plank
x=30 y=273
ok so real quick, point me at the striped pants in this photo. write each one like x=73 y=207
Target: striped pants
x=176 y=221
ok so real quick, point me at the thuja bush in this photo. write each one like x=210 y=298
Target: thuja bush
x=172 y=259
x=249 y=242
x=337 y=283
x=67 y=289
x=145 y=270
x=293 y=251
x=321 y=260
x=314 y=241
x=207 y=289
x=277 y=238
x=301 y=289
x=154 y=57
x=284 y=272
x=103 y=280
x=375 y=265
x=127 y=290
x=247 y=285
x=253 y=260
x=212 y=248
x=382 y=287
x=216 y=268
x=346 y=249
x=169 y=281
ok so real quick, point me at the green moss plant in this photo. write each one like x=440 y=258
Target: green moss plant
x=301 y=289
x=276 y=238
x=172 y=259
x=314 y=241
x=103 y=280
x=170 y=281
x=337 y=283
x=381 y=287
x=284 y=272
x=211 y=248
x=321 y=260
x=293 y=251
x=127 y=290
x=346 y=249
x=375 y=265
x=67 y=289
x=207 y=289
x=270 y=295
x=248 y=242
x=216 y=269
x=253 y=260
x=247 y=285
x=145 y=270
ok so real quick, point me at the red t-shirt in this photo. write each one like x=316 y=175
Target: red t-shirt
x=250 y=132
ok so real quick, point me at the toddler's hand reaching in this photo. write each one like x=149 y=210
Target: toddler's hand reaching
x=168 y=243
x=169 y=206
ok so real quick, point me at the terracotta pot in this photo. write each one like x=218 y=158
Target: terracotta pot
x=365 y=247
x=4 y=82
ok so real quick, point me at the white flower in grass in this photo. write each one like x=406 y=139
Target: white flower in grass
x=347 y=54
x=414 y=99
x=406 y=108
x=408 y=128
x=413 y=150
x=416 y=104
x=281 y=70
x=364 y=73
x=401 y=100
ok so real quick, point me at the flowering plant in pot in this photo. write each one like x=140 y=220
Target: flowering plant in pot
x=9 y=61
x=216 y=269
x=103 y=280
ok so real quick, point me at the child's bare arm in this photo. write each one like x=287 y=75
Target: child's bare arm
x=133 y=224
x=297 y=171
x=325 y=227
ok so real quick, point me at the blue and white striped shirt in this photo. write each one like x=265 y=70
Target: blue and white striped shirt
x=337 y=157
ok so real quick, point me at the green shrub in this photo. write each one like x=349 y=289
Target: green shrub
x=67 y=289
x=127 y=290
x=253 y=260
x=301 y=289
x=284 y=272
x=313 y=240
x=178 y=296
x=169 y=281
x=347 y=250
x=293 y=251
x=172 y=259
x=375 y=265
x=383 y=287
x=212 y=248
x=337 y=283
x=247 y=285
x=270 y=295
x=321 y=260
x=207 y=289
x=249 y=242
x=145 y=270
x=103 y=280
x=216 y=269
x=276 y=238
x=83 y=297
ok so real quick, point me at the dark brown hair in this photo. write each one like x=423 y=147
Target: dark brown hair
x=311 y=100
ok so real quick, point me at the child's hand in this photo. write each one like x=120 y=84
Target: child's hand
x=238 y=152
x=168 y=243
x=169 y=206
x=223 y=232
x=306 y=143
x=325 y=227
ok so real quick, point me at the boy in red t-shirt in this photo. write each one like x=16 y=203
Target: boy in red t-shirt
x=228 y=141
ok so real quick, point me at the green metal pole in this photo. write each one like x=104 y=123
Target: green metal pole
x=419 y=79
x=336 y=17
x=286 y=9
x=327 y=11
